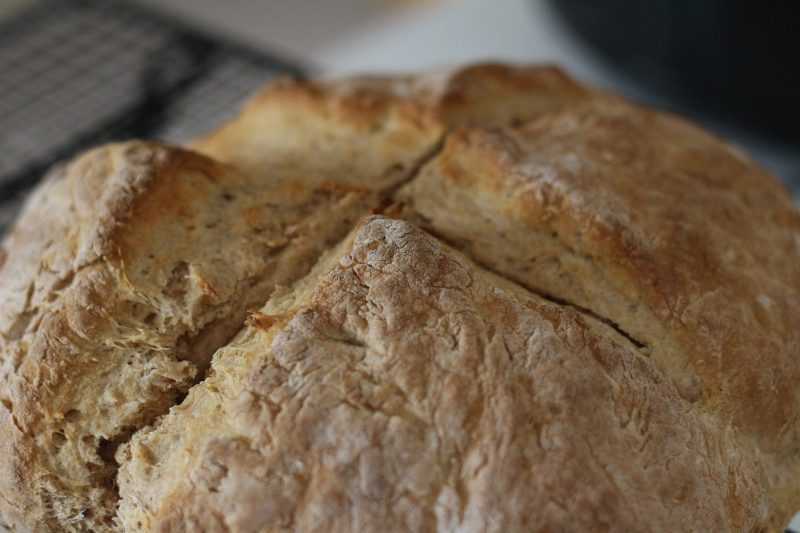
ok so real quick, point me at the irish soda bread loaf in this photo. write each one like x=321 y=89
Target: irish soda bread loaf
x=483 y=300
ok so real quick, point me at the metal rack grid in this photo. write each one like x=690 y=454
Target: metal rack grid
x=75 y=73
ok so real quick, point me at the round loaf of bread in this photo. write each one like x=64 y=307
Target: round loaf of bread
x=487 y=300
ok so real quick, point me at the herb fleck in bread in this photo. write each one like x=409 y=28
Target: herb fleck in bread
x=576 y=313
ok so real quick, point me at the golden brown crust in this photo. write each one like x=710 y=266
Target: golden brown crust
x=144 y=267
x=370 y=131
x=652 y=393
x=673 y=220
x=50 y=283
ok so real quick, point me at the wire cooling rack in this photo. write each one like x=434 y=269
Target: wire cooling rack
x=75 y=73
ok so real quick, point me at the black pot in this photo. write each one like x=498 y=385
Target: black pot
x=733 y=60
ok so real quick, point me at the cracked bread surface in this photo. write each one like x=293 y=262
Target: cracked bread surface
x=154 y=256
x=659 y=228
x=370 y=131
x=410 y=390
x=657 y=323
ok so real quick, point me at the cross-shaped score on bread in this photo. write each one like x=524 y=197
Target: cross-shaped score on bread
x=569 y=312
